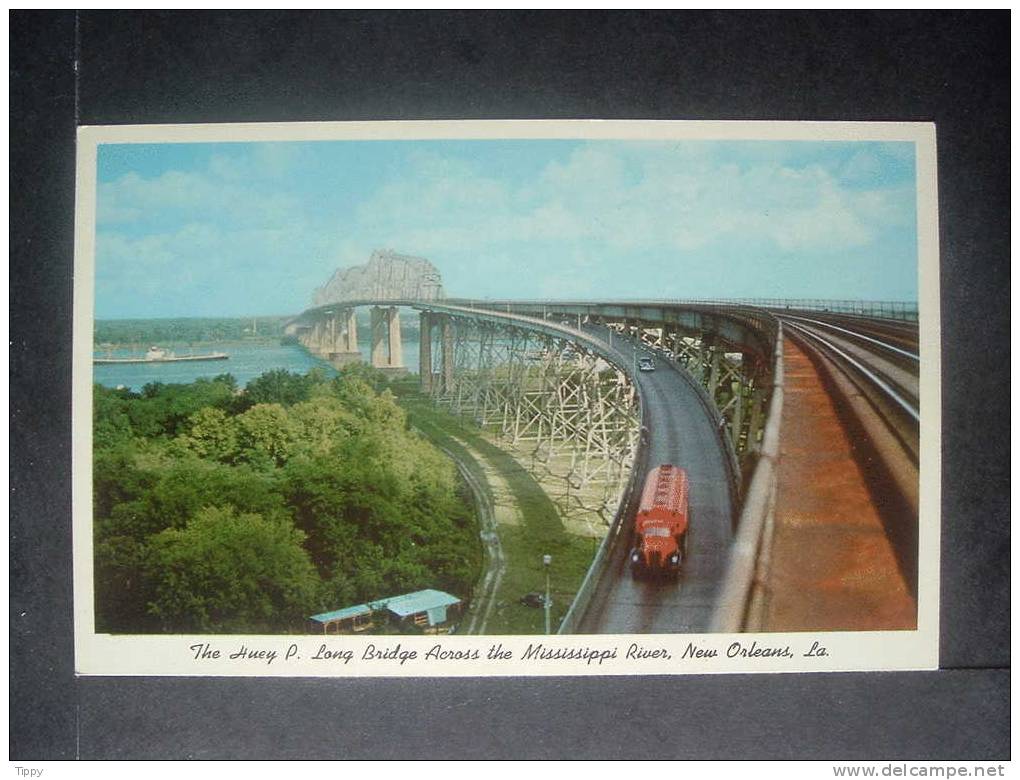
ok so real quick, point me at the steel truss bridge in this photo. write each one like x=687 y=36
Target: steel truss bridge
x=561 y=379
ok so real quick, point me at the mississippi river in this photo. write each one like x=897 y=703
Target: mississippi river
x=247 y=361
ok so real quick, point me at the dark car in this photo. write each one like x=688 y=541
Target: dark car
x=533 y=599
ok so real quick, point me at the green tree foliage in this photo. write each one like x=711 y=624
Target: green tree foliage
x=327 y=467
x=279 y=387
x=266 y=434
x=121 y=587
x=226 y=571
x=212 y=434
x=185 y=330
x=366 y=373
x=160 y=409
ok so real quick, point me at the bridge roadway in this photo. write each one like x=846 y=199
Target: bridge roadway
x=680 y=432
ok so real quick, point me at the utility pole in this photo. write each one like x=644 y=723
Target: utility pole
x=547 y=561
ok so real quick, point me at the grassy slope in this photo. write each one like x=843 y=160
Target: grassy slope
x=541 y=532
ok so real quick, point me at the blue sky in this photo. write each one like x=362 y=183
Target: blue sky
x=234 y=229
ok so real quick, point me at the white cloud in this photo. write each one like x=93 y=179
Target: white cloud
x=680 y=203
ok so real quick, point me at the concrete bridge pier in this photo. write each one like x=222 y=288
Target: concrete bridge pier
x=387 y=350
x=314 y=339
x=446 y=334
x=343 y=338
x=425 y=352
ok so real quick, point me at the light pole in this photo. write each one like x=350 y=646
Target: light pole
x=546 y=561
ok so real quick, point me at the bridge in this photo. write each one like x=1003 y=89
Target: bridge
x=796 y=420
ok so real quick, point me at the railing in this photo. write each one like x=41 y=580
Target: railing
x=892 y=310
x=736 y=591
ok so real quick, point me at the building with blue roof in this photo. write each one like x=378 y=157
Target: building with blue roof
x=424 y=609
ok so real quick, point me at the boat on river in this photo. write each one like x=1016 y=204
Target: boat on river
x=157 y=355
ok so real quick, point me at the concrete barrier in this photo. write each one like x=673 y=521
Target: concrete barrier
x=735 y=594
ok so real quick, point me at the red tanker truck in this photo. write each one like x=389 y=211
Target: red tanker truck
x=660 y=526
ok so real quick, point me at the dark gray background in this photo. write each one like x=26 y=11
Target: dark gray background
x=950 y=68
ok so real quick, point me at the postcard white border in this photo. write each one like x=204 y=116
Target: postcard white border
x=101 y=654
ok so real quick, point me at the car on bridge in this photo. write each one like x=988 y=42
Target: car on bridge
x=661 y=526
x=646 y=364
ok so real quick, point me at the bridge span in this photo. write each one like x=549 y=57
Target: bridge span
x=815 y=528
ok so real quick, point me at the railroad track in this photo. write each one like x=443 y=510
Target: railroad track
x=875 y=386
x=884 y=373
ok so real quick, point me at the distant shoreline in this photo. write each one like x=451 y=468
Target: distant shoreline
x=254 y=340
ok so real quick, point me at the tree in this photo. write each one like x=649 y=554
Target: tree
x=110 y=422
x=322 y=423
x=227 y=571
x=364 y=373
x=121 y=589
x=212 y=434
x=265 y=435
x=277 y=387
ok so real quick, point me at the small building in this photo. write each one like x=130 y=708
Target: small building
x=424 y=609
x=346 y=620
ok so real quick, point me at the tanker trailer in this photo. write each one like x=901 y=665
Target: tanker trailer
x=661 y=523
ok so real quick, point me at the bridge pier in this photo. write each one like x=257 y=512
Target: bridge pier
x=425 y=351
x=343 y=338
x=386 y=328
x=446 y=334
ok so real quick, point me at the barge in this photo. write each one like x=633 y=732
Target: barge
x=157 y=355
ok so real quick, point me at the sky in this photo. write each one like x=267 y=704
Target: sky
x=240 y=229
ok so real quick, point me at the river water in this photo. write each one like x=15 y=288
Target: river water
x=247 y=360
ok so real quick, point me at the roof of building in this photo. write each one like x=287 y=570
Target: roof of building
x=433 y=602
x=342 y=614
x=420 y=601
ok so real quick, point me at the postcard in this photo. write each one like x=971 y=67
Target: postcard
x=506 y=398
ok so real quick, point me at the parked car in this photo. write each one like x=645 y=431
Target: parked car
x=533 y=599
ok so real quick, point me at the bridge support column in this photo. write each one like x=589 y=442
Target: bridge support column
x=351 y=332
x=713 y=377
x=396 y=347
x=446 y=334
x=343 y=347
x=425 y=352
x=386 y=328
x=315 y=337
x=378 y=334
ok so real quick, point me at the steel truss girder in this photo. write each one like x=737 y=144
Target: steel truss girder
x=734 y=381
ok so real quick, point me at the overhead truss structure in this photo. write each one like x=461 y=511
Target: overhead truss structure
x=736 y=382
